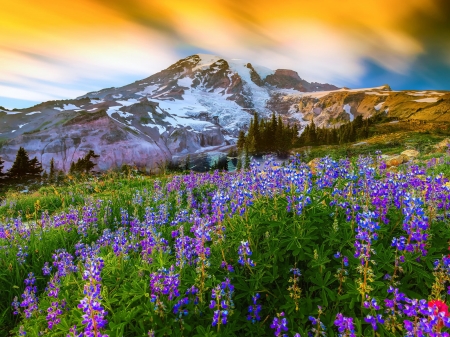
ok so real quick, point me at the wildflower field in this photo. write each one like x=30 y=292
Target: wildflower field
x=345 y=249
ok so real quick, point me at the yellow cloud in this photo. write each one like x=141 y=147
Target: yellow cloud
x=85 y=40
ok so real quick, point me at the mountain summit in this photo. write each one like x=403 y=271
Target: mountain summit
x=196 y=105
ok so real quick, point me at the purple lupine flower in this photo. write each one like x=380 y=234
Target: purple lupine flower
x=22 y=254
x=279 y=324
x=63 y=262
x=244 y=253
x=374 y=320
x=318 y=329
x=345 y=325
x=227 y=266
x=193 y=291
x=22 y=331
x=29 y=298
x=222 y=302
x=254 y=310
x=93 y=312
x=46 y=270
x=178 y=308
x=73 y=332
x=53 y=313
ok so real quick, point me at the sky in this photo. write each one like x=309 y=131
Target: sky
x=59 y=49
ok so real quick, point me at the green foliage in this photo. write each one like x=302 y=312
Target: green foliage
x=280 y=239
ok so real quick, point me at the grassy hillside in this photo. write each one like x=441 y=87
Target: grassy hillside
x=273 y=250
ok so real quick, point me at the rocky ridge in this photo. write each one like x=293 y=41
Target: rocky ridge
x=196 y=105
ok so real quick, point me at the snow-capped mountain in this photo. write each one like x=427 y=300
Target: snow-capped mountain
x=198 y=104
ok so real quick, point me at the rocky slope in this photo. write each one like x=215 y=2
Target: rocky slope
x=198 y=104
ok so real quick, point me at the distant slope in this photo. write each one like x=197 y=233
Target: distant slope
x=198 y=104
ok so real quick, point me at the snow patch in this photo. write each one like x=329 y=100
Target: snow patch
x=185 y=82
x=32 y=113
x=96 y=101
x=378 y=106
x=148 y=90
x=427 y=100
x=117 y=96
x=13 y=112
x=347 y=109
x=205 y=61
x=161 y=128
x=129 y=102
x=66 y=107
x=21 y=125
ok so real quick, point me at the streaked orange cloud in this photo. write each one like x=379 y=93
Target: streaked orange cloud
x=81 y=45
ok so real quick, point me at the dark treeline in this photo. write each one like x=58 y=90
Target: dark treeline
x=274 y=136
x=346 y=133
x=268 y=136
x=25 y=169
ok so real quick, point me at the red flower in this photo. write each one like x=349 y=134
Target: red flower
x=439 y=307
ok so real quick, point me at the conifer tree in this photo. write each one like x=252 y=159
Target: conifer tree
x=1 y=167
x=312 y=134
x=52 y=173
x=84 y=165
x=278 y=134
x=72 y=169
x=247 y=160
x=35 y=168
x=239 y=164
x=89 y=165
x=222 y=163
x=241 y=141
x=256 y=134
x=20 y=166
x=187 y=163
x=60 y=177
x=274 y=124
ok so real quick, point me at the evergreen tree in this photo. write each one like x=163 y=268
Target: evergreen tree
x=247 y=160
x=72 y=169
x=257 y=134
x=274 y=124
x=60 y=177
x=1 y=167
x=312 y=135
x=239 y=164
x=214 y=166
x=279 y=142
x=45 y=176
x=35 y=168
x=241 y=141
x=85 y=164
x=222 y=163
x=20 y=166
x=89 y=165
x=52 y=173
x=187 y=163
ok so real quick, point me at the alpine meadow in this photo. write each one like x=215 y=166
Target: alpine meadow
x=225 y=168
